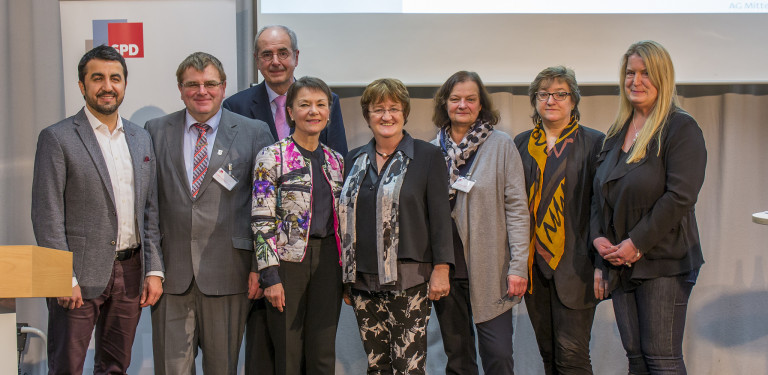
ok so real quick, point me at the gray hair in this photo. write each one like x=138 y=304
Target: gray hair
x=291 y=35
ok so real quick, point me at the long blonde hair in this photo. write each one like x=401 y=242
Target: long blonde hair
x=662 y=76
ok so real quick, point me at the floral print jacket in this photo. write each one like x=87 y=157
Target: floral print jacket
x=282 y=201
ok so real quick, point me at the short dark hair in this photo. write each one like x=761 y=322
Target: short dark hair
x=102 y=52
x=546 y=77
x=487 y=112
x=199 y=61
x=306 y=82
x=383 y=89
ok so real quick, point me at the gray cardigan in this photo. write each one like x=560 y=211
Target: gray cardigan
x=493 y=224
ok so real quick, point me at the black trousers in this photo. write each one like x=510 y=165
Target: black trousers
x=454 y=312
x=259 y=352
x=304 y=334
x=562 y=333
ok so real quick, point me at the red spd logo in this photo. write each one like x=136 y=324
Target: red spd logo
x=127 y=38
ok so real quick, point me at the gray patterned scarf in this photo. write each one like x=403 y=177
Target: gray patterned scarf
x=387 y=217
x=457 y=155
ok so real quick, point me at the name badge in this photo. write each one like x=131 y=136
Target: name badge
x=225 y=179
x=463 y=184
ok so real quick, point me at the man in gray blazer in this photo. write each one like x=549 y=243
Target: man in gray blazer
x=205 y=161
x=94 y=194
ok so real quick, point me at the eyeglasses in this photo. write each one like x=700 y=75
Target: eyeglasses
x=267 y=56
x=379 y=112
x=543 y=96
x=209 y=85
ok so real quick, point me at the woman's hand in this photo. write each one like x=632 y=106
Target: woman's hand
x=347 y=299
x=254 y=288
x=439 y=283
x=276 y=296
x=603 y=246
x=516 y=286
x=625 y=254
x=601 y=285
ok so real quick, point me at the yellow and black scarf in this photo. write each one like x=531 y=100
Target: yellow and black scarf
x=546 y=197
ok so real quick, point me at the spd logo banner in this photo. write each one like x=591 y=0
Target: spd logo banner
x=126 y=37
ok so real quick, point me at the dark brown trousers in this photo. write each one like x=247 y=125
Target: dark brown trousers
x=115 y=314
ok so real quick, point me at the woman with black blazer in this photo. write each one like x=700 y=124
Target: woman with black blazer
x=650 y=172
x=559 y=159
x=393 y=216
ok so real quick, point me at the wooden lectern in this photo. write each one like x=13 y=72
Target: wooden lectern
x=25 y=272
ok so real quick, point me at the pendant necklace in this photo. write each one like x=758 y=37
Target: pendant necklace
x=383 y=155
x=636 y=131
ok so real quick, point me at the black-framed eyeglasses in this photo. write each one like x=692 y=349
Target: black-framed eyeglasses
x=543 y=96
x=267 y=56
x=209 y=85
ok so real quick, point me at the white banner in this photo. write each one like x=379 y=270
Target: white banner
x=154 y=37
x=516 y=6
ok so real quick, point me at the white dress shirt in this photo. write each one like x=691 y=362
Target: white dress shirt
x=114 y=148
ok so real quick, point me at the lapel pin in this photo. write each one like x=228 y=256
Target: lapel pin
x=146 y=159
x=219 y=152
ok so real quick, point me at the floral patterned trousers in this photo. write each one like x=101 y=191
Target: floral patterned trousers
x=393 y=327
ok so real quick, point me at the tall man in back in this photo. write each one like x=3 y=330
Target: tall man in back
x=94 y=194
x=205 y=161
x=276 y=52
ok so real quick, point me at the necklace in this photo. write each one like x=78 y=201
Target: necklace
x=636 y=131
x=383 y=155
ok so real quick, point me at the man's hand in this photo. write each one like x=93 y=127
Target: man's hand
x=516 y=286
x=153 y=289
x=254 y=288
x=73 y=302
x=276 y=296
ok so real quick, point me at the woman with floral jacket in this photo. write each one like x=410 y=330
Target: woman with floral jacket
x=296 y=185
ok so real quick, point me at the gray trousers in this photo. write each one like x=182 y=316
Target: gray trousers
x=182 y=323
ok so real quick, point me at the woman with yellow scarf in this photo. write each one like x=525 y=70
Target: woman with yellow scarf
x=559 y=159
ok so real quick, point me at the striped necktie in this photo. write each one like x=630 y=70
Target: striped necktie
x=200 y=159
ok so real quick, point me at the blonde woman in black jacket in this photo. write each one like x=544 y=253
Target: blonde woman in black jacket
x=643 y=226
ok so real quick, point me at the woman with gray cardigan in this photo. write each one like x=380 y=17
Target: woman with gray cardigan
x=490 y=228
